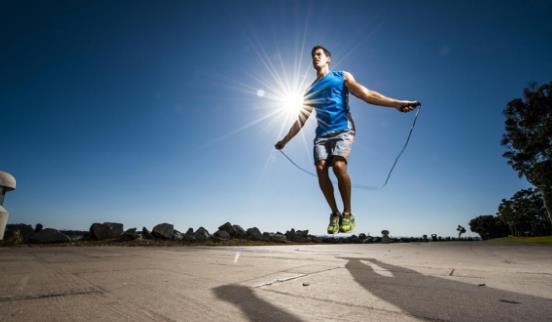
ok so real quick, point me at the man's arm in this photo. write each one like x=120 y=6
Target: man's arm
x=296 y=127
x=373 y=97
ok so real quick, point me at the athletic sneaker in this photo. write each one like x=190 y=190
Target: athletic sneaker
x=333 y=227
x=347 y=223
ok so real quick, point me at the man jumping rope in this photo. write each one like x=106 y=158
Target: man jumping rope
x=329 y=96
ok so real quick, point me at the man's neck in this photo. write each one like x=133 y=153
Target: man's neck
x=322 y=72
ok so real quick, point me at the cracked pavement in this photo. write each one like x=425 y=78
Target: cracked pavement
x=445 y=281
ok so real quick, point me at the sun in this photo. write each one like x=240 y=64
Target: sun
x=292 y=103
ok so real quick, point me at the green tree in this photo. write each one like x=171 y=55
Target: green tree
x=528 y=139
x=524 y=213
x=460 y=230
x=506 y=214
x=488 y=226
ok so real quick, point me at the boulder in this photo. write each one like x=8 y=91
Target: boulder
x=116 y=228
x=146 y=233
x=106 y=230
x=49 y=235
x=290 y=234
x=354 y=239
x=272 y=237
x=222 y=235
x=239 y=232
x=163 y=231
x=297 y=236
x=177 y=235
x=129 y=234
x=201 y=235
x=75 y=235
x=25 y=231
x=254 y=233
x=189 y=235
x=329 y=240
x=316 y=239
x=228 y=228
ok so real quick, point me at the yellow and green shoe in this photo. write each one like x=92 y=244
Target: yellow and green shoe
x=347 y=223
x=333 y=227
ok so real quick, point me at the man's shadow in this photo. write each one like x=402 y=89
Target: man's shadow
x=251 y=305
x=438 y=298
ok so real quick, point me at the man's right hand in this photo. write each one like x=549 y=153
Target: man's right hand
x=407 y=106
x=280 y=144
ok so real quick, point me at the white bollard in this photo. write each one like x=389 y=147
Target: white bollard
x=3 y=221
x=7 y=183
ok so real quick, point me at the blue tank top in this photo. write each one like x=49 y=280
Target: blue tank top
x=330 y=98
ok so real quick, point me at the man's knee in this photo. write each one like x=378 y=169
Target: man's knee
x=340 y=165
x=321 y=167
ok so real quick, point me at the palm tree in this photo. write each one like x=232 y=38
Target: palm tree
x=460 y=230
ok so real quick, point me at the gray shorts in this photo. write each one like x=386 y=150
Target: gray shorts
x=339 y=144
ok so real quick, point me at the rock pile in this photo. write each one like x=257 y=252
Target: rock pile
x=110 y=231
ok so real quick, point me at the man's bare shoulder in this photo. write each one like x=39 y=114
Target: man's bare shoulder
x=348 y=76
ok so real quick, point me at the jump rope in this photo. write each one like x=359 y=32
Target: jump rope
x=418 y=106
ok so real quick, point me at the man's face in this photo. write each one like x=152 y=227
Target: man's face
x=319 y=59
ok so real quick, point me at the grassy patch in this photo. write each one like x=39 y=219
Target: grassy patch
x=530 y=240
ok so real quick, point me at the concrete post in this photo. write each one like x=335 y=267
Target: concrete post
x=3 y=221
x=7 y=183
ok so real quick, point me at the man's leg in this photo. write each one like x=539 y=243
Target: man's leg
x=326 y=184
x=344 y=182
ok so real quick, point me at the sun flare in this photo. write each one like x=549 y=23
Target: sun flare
x=292 y=103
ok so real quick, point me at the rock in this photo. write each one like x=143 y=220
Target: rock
x=300 y=236
x=38 y=227
x=329 y=240
x=49 y=235
x=316 y=239
x=290 y=234
x=115 y=228
x=272 y=237
x=368 y=239
x=177 y=235
x=302 y=233
x=222 y=235
x=25 y=231
x=254 y=234
x=279 y=238
x=163 y=231
x=146 y=233
x=228 y=228
x=239 y=232
x=129 y=234
x=354 y=239
x=106 y=230
x=75 y=235
x=14 y=239
x=201 y=235
x=189 y=235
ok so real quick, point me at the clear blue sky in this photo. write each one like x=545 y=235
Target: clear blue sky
x=138 y=111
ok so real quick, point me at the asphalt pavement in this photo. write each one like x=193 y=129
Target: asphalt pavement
x=438 y=281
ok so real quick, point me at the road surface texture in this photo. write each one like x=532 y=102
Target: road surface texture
x=439 y=281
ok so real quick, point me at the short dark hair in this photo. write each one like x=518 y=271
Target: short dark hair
x=326 y=52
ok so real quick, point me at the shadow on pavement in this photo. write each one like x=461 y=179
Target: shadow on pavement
x=438 y=298
x=254 y=307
